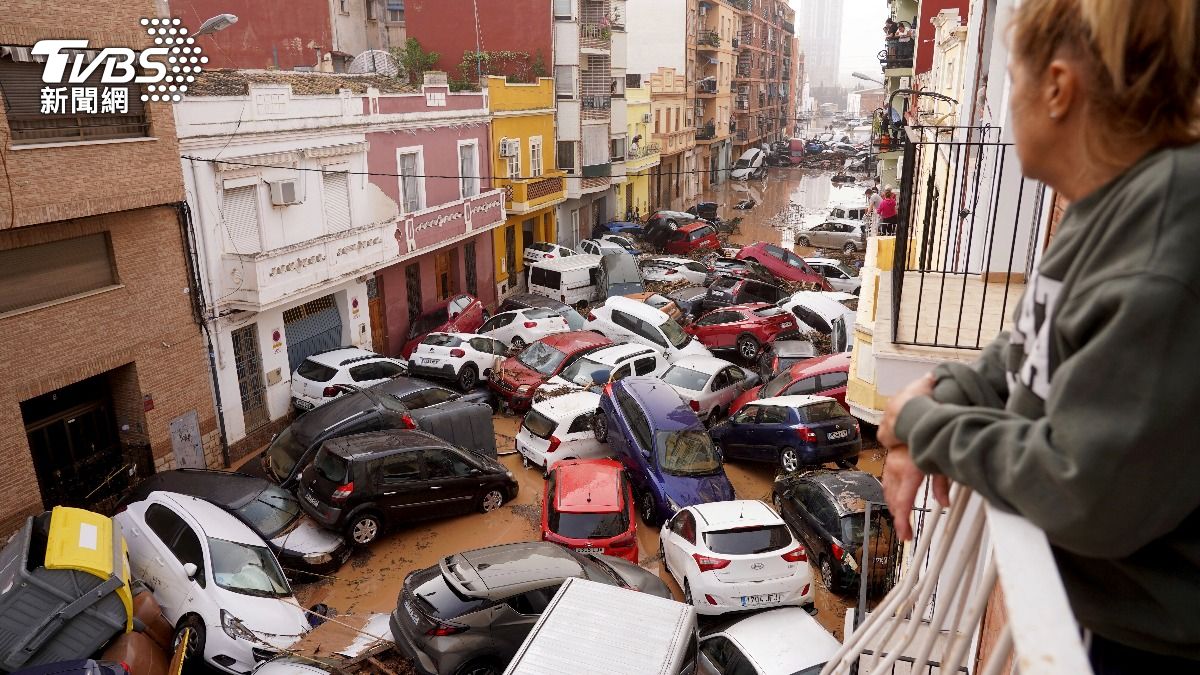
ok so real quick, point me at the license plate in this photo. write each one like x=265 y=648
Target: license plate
x=302 y=405
x=311 y=499
x=590 y=549
x=764 y=599
x=786 y=324
x=428 y=361
x=835 y=435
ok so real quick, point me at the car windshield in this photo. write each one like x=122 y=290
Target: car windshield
x=271 y=512
x=786 y=362
x=330 y=467
x=541 y=357
x=688 y=452
x=316 y=372
x=822 y=412
x=247 y=569
x=588 y=525
x=777 y=384
x=748 y=540
x=585 y=372
x=846 y=270
x=538 y=424
x=429 y=322
x=685 y=378
x=674 y=333
x=741 y=163
x=284 y=452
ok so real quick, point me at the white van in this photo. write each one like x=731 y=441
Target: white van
x=573 y=280
x=591 y=628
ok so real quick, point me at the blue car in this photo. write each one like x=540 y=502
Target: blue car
x=663 y=446
x=616 y=227
x=791 y=431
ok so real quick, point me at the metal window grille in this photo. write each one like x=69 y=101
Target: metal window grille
x=412 y=287
x=372 y=287
x=251 y=389
x=469 y=261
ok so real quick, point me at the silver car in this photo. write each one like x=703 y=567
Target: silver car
x=840 y=276
x=846 y=235
x=471 y=612
x=708 y=384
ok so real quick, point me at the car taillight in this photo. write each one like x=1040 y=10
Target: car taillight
x=797 y=554
x=445 y=630
x=807 y=435
x=330 y=392
x=548 y=256
x=707 y=564
x=457 y=353
x=711 y=600
x=407 y=422
x=343 y=491
x=530 y=324
x=591 y=316
x=838 y=551
x=554 y=443
x=672 y=271
x=695 y=405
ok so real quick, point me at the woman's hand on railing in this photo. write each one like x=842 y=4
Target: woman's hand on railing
x=901 y=477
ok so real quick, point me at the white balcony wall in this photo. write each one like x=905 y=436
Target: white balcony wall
x=620 y=46
x=568 y=120
x=566 y=43
x=618 y=116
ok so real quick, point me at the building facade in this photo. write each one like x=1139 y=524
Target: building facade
x=718 y=40
x=523 y=162
x=633 y=200
x=453 y=28
x=105 y=362
x=764 y=106
x=674 y=183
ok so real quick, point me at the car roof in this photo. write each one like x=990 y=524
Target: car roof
x=850 y=490
x=227 y=488
x=792 y=400
x=737 y=513
x=844 y=221
x=343 y=356
x=534 y=300
x=568 y=405
x=704 y=364
x=570 y=262
x=213 y=520
x=824 y=261
x=692 y=226
x=308 y=426
x=806 y=643
x=619 y=352
x=358 y=446
x=641 y=311
x=821 y=364
x=659 y=398
x=827 y=307
x=402 y=384
x=689 y=292
x=572 y=341
x=589 y=486
x=793 y=348
x=498 y=570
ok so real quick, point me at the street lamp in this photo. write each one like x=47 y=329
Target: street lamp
x=218 y=22
x=868 y=78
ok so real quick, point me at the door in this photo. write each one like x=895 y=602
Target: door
x=315 y=326
x=453 y=484
x=399 y=486
x=77 y=455
x=467 y=314
x=252 y=391
x=682 y=534
x=499 y=327
x=375 y=306
x=514 y=617
x=162 y=553
x=441 y=275
x=774 y=432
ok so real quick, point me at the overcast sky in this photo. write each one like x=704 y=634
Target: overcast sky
x=862 y=37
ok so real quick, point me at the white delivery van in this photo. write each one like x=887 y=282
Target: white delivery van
x=591 y=628
x=574 y=279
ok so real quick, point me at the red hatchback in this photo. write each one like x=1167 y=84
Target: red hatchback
x=743 y=327
x=460 y=314
x=782 y=263
x=691 y=238
x=823 y=376
x=517 y=378
x=588 y=506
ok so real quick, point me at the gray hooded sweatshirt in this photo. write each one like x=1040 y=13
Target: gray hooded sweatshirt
x=1085 y=419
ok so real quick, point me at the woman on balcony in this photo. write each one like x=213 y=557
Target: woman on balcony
x=1083 y=419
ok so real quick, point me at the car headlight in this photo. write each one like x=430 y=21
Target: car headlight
x=235 y=629
x=318 y=558
x=673 y=505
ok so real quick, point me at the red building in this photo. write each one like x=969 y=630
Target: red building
x=929 y=9
x=452 y=27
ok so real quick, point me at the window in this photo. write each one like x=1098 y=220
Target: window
x=468 y=170
x=423 y=398
x=532 y=603
x=562 y=9
x=445 y=464
x=566 y=156
x=581 y=424
x=412 y=196
x=372 y=11
x=177 y=536
x=812 y=319
x=725 y=657
x=395 y=11
x=617 y=149
x=344 y=6
x=684 y=525
x=89 y=111
x=717 y=318
x=472 y=274
x=745 y=415
x=700 y=233
x=535 y=156
x=405 y=466
x=379 y=370
x=513 y=161
x=807 y=385
x=773 y=415
x=336 y=190
x=645 y=365
x=33 y=275
x=564 y=81
x=239 y=211
x=832 y=380
x=622 y=372
x=544 y=278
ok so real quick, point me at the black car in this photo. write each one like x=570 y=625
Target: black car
x=826 y=510
x=272 y=512
x=531 y=300
x=661 y=224
x=719 y=266
x=705 y=210
x=400 y=403
x=780 y=355
x=729 y=290
x=363 y=483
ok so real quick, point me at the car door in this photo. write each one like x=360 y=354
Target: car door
x=681 y=543
x=773 y=431
x=470 y=315
x=804 y=521
x=635 y=437
x=499 y=327
x=741 y=441
x=453 y=484
x=484 y=353
x=399 y=486
x=818 y=236
x=726 y=331
x=725 y=385
x=515 y=616
x=169 y=544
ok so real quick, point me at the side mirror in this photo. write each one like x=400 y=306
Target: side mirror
x=190 y=570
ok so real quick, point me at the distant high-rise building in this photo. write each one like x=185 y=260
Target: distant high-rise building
x=819 y=25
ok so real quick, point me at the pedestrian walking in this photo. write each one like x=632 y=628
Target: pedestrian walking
x=888 y=211
x=1082 y=419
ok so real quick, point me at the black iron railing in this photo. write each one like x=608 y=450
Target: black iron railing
x=898 y=53
x=970 y=228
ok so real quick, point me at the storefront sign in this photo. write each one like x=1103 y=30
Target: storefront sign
x=430 y=228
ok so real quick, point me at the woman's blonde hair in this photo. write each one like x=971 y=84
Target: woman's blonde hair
x=1141 y=58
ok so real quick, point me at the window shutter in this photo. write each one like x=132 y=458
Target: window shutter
x=41 y=273
x=337 y=201
x=240 y=213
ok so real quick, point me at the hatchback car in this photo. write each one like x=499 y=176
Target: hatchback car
x=782 y=263
x=841 y=277
x=817 y=310
x=606 y=364
x=274 y=514
x=822 y=376
x=625 y=320
x=588 y=506
x=213 y=575
x=622 y=241
x=463 y=358
x=316 y=381
x=791 y=431
x=460 y=314
x=728 y=290
x=848 y=236
x=691 y=238
x=735 y=556
x=600 y=247
x=527 y=300
x=783 y=641
x=733 y=267
x=780 y=355
x=826 y=510
x=670 y=270
x=745 y=328
x=708 y=385
x=668 y=455
x=544 y=250
x=516 y=378
x=522 y=326
x=618 y=228
x=560 y=428
x=471 y=612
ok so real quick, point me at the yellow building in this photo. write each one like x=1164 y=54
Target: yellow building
x=523 y=162
x=633 y=199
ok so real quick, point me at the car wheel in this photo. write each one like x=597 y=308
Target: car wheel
x=194 y=654
x=600 y=427
x=848 y=463
x=492 y=500
x=803 y=241
x=480 y=667
x=713 y=418
x=517 y=342
x=789 y=460
x=468 y=377
x=827 y=575
x=849 y=248
x=646 y=509
x=748 y=348
x=364 y=529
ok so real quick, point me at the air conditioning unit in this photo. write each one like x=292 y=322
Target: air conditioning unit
x=509 y=147
x=646 y=118
x=285 y=192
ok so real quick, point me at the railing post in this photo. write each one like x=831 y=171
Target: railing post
x=900 y=258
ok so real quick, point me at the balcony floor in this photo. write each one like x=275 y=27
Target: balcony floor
x=955 y=310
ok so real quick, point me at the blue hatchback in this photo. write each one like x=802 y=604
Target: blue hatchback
x=793 y=431
x=665 y=449
x=616 y=227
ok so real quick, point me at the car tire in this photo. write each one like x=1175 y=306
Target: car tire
x=468 y=377
x=364 y=528
x=803 y=241
x=848 y=463
x=600 y=427
x=849 y=248
x=517 y=343
x=647 y=510
x=491 y=500
x=748 y=348
x=479 y=667
x=789 y=460
x=194 y=657
x=714 y=417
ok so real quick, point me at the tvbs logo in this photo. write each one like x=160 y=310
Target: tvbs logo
x=165 y=69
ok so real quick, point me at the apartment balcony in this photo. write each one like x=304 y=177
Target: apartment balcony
x=789 y=27
x=707 y=132
x=708 y=40
x=741 y=135
x=676 y=141
x=737 y=44
x=707 y=87
x=742 y=5
x=639 y=159
x=595 y=38
x=525 y=195
x=595 y=106
x=897 y=57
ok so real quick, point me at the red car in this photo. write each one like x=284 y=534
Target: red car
x=517 y=378
x=588 y=506
x=743 y=327
x=460 y=314
x=692 y=237
x=824 y=376
x=782 y=263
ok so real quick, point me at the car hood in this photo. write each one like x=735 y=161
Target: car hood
x=277 y=621
x=637 y=578
x=517 y=374
x=308 y=537
x=693 y=348
x=693 y=490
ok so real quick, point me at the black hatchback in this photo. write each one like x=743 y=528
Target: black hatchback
x=363 y=483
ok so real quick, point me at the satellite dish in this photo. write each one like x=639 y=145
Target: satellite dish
x=374 y=61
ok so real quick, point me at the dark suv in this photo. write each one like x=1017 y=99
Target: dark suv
x=363 y=483
x=728 y=290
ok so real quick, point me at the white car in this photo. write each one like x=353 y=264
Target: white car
x=749 y=165
x=316 y=381
x=625 y=320
x=214 y=575
x=708 y=384
x=600 y=247
x=607 y=364
x=735 y=556
x=780 y=641
x=544 y=250
x=523 y=326
x=560 y=428
x=840 y=276
x=620 y=240
x=818 y=310
x=670 y=269
x=465 y=358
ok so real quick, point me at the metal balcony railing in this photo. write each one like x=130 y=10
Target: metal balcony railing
x=707 y=132
x=594 y=35
x=708 y=39
x=897 y=53
x=637 y=152
x=744 y=5
x=707 y=86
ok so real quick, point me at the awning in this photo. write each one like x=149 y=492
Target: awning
x=712 y=60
